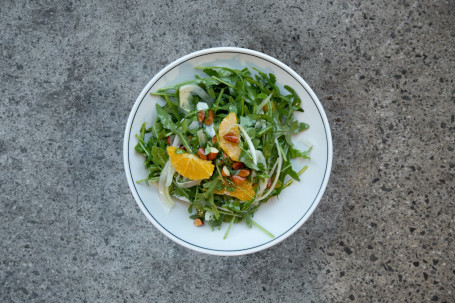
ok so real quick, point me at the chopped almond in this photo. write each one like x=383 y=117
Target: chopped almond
x=198 y=222
x=201 y=153
x=201 y=116
x=238 y=180
x=238 y=165
x=231 y=137
x=225 y=172
x=244 y=173
x=209 y=119
x=213 y=153
x=269 y=183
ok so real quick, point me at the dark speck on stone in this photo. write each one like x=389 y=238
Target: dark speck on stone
x=25 y=291
x=72 y=71
x=416 y=264
x=386 y=189
x=2 y=147
x=373 y=258
x=435 y=298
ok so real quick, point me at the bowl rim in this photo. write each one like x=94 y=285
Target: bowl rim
x=224 y=252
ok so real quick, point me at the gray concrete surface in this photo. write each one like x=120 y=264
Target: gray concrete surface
x=71 y=231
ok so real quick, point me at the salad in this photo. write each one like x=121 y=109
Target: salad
x=222 y=143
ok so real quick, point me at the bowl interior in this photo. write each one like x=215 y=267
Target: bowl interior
x=280 y=216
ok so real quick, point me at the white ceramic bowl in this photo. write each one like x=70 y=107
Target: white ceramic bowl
x=282 y=216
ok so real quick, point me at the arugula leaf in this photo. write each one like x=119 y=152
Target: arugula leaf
x=296 y=99
x=240 y=92
x=167 y=122
x=165 y=118
x=247 y=159
x=247 y=121
x=295 y=127
x=294 y=153
x=159 y=156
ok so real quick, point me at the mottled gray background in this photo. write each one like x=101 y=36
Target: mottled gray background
x=71 y=231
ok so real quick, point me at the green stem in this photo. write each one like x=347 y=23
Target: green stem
x=229 y=228
x=298 y=174
x=161 y=94
x=141 y=143
x=172 y=107
x=227 y=213
x=218 y=100
x=218 y=79
x=262 y=132
x=263 y=229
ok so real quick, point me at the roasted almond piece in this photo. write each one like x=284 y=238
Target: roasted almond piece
x=225 y=172
x=238 y=180
x=238 y=165
x=168 y=140
x=209 y=119
x=269 y=183
x=214 y=139
x=231 y=137
x=213 y=153
x=244 y=173
x=201 y=116
x=201 y=153
x=198 y=222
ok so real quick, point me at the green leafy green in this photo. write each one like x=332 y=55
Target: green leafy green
x=159 y=156
x=239 y=91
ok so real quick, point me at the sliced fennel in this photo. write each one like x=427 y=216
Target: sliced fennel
x=166 y=180
x=236 y=92
x=278 y=172
x=248 y=140
x=186 y=91
x=263 y=103
x=187 y=183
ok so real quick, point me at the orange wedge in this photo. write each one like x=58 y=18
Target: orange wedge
x=232 y=149
x=243 y=192
x=189 y=165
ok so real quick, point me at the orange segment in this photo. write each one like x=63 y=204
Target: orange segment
x=233 y=150
x=243 y=192
x=189 y=165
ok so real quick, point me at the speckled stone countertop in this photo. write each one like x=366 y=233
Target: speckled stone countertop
x=70 y=229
